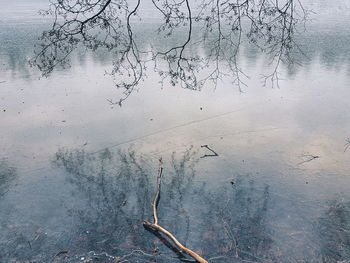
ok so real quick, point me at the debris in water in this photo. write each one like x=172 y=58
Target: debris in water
x=61 y=253
x=347 y=144
x=209 y=155
x=308 y=158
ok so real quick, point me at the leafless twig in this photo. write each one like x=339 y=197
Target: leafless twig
x=209 y=155
x=308 y=158
x=224 y=25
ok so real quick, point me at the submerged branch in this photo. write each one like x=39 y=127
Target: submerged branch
x=161 y=229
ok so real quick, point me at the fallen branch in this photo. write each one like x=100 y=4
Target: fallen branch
x=161 y=229
x=167 y=243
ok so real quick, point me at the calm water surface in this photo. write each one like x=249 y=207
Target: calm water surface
x=77 y=175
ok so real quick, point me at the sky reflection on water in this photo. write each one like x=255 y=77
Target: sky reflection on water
x=78 y=175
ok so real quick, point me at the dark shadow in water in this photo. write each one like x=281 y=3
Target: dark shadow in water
x=334 y=232
x=118 y=190
x=111 y=197
x=117 y=194
x=8 y=175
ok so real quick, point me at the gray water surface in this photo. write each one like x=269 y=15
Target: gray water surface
x=77 y=175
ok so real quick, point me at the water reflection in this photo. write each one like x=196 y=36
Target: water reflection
x=8 y=175
x=118 y=189
x=328 y=48
x=228 y=223
x=238 y=220
x=117 y=198
x=334 y=232
x=91 y=207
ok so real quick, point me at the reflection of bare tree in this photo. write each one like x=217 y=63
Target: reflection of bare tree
x=119 y=190
x=239 y=226
x=334 y=232
x=7 y=176
x=111 y=197
x=224 y=25
x=117 y=199
x=347 y=144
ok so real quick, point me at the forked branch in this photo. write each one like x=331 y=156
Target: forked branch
x=161 y=229
x=209 y=155
x=208 y=51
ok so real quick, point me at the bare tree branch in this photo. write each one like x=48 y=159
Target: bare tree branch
x=212 y=32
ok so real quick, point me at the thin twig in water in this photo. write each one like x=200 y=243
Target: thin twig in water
x=308 y=158
x=161 y=229
x=209 y=155
x=61 y=253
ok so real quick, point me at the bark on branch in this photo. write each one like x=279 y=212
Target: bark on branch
x=161 y=229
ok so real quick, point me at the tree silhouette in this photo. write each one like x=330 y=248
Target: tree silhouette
x=334 y=232
x=206 y=50
x=7 y=175
x=118 y=188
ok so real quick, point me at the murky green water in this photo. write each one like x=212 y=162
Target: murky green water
x=77 y=175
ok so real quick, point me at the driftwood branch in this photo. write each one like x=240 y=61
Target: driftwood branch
x=161 y=229
x=209 y=155
x=168 y=243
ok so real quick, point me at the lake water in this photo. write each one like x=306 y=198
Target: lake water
x=78 y=175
